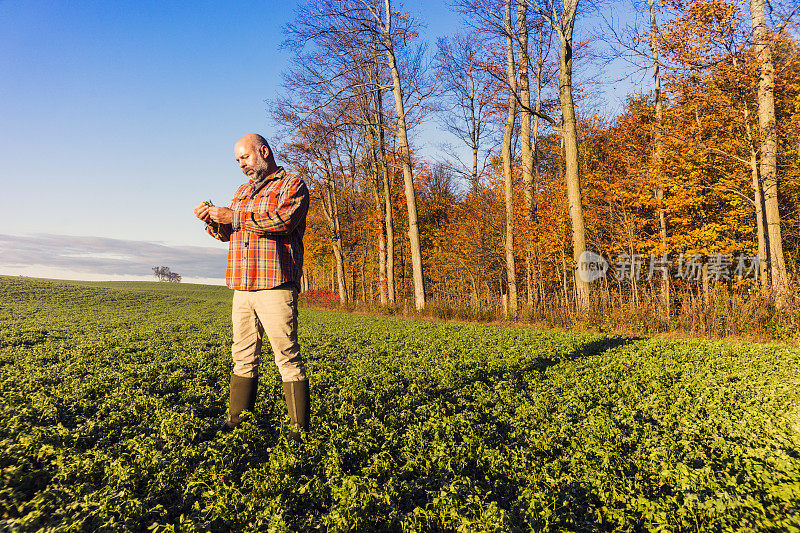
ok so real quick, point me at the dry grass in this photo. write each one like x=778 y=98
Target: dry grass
x=723 y=313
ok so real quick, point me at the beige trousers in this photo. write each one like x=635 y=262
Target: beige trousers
x=274 y=312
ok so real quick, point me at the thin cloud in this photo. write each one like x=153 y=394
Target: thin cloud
x=109 y=257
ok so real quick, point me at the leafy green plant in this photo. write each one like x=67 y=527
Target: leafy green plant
x=416 y=426
x=216 y=225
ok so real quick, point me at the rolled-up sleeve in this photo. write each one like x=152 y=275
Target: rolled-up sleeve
x=290 y=212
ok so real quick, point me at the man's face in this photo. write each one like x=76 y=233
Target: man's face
x=250 y=159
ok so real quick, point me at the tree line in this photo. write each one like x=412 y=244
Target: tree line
x=164 y=273
x=701 y=163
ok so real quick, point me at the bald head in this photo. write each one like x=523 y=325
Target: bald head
x=254 y=140
x=254 y=156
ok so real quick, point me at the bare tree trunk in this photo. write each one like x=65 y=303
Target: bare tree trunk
x=531 y=211
x=658 y=149
x=474 y=297
x=511 y=74
x=382 y=285
x=525 y=114
x=474 y=170
x=386 y=254
x=569 y=133
x=338 y=255
x=761 y=228
x=405 y=157
x=538 y=108
x=337 y=245
x=352 y=293
x=539 y=276
x=529 y=271
x=525 y=139
x=387 y=196
x=382 y=279
x=769 y=149
x=330 y=208
x=473 y=128
x=363 y=275
x=564 y=274
x=403 y=275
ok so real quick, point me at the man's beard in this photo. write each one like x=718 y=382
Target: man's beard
x=259 y=174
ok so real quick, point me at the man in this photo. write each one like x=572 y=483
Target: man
x=264 y=224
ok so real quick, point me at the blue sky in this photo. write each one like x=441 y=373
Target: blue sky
x=116 y=118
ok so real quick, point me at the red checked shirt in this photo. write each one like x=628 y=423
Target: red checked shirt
x=266 y=235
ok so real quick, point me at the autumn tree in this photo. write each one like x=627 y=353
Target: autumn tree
x=312 y=155
x=710 y=35
x=678 y=169
x=391 y=36
x=563 y=24
x=658 y=144
x=511 y=79
x=466 y=92
x=769 y=147
x=627 y=44
x=333 y=31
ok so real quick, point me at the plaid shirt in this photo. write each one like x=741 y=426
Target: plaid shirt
x=266 y=235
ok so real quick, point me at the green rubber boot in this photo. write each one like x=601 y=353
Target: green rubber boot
x=298 y=403
x=243 y=396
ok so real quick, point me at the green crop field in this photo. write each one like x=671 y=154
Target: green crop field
x=416 y=426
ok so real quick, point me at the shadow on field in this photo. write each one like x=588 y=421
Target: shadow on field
x=596 y=347
x=516 y=375
x=600 y=346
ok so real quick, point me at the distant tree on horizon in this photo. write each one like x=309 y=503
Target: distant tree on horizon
x=163 y=273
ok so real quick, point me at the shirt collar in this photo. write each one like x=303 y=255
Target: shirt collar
x=257 y=185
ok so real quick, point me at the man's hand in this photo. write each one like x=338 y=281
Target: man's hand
x=201 y=212
x=223 y=215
